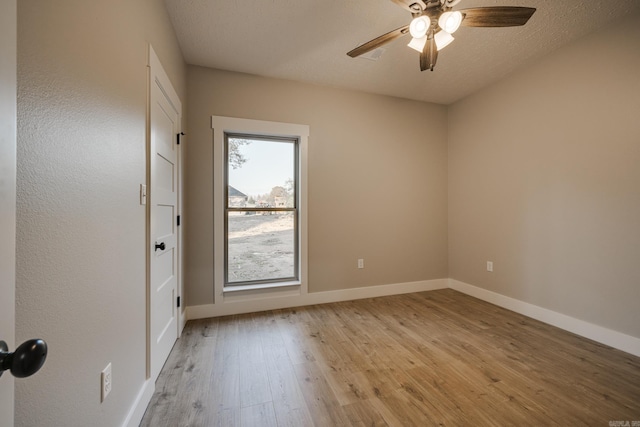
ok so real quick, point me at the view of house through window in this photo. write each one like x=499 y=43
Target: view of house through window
x=261 y=212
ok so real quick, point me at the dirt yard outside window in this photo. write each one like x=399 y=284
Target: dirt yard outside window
x=261 y=246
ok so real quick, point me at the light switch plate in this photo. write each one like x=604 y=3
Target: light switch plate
x=143 y=194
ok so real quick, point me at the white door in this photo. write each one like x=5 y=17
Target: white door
x=7 y=196
x=162 y=198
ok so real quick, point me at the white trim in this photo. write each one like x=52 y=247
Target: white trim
x=597 y=333
x=158 y=77
x=165 y=83
x=255 y=296
x=139 y=407
x=242 y=288
x=262 y=304
x=180 y=243
x=183 y=319
x=8 y=126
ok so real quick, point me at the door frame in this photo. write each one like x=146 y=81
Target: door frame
x=155 y=70
x=8 y=165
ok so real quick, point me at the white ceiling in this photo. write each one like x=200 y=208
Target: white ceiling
x=307 y=41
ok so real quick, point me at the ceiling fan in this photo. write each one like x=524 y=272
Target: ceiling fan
x=434 y=22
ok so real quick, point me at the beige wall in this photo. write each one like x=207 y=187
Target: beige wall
x=82 y=82
x=544 y=180
x=377 y=179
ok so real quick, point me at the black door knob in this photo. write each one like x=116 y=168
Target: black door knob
x=160 y=246
x=26 y=360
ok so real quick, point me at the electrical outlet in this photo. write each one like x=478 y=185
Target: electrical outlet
x=105 y=382
x=489 y=265
x=361 y=263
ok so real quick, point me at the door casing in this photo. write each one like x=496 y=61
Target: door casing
x=8 y=114
x=159 y=79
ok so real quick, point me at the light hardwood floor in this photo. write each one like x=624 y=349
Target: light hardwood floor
x=430 y=358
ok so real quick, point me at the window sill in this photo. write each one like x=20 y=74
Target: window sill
x=231 y=289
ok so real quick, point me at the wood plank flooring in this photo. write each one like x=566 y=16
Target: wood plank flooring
x=430 y=358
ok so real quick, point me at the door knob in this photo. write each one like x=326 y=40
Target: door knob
x=26 y=360
x=160 y=246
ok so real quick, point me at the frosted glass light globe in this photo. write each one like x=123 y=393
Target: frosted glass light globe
x=419 y=26
x=450 y=21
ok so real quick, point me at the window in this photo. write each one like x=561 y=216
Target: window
x=260 y=232
x=261 y=212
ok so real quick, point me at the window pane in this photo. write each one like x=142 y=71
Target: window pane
x=261 y=173
x=261 y=246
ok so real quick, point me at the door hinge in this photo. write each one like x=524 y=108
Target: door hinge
x=179 y=135
x=178 y=220
x=178 y=302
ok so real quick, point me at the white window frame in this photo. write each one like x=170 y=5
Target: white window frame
x=221 y=126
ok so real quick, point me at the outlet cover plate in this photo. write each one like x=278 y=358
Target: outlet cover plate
x=105 y=382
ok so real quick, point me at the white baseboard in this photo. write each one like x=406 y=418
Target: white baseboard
x=609 y=337
x=250 y=306
x=183 y=320
x=140 y=405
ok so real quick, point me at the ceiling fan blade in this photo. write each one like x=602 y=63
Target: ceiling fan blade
x=379 y=41
x=429 y=55
x=498 y=16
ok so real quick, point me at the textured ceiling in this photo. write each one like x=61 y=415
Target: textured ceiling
x=307 y=41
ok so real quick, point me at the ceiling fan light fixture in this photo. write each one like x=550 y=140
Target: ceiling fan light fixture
x=450 y=21
x=418 y=43
x=443 y=39
x=419 y=26
x=434 y=22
